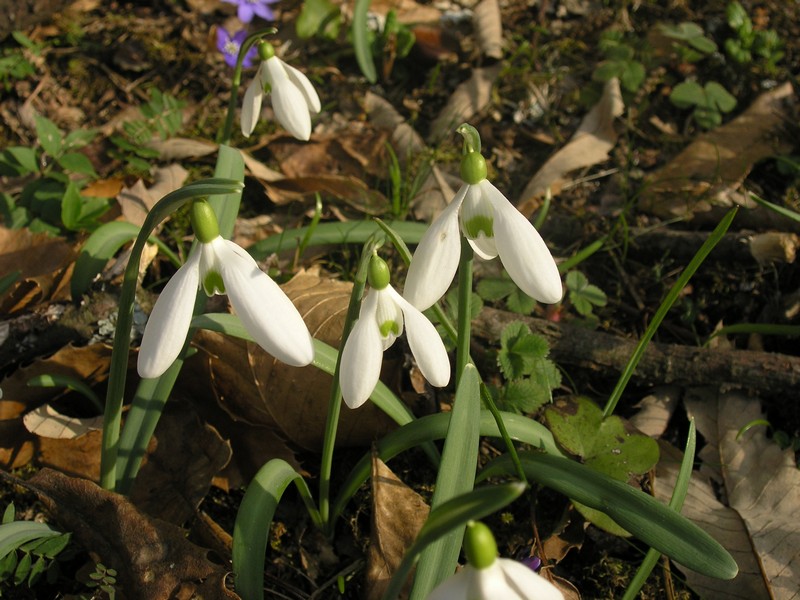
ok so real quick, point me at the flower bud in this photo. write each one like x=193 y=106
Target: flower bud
x=479 y=545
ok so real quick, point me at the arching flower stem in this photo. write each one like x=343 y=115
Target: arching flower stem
x=335 y=401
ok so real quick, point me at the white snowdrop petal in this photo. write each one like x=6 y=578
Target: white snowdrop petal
x=484 y=247
x=522 y=250
x=456 y=587
x=523 y=582
x=265 y=311
x=251 y=106
x=166 y=329
x=288 y=101
x=435 y=260
x=304 y=85
x=362 y=356
x=425 y=343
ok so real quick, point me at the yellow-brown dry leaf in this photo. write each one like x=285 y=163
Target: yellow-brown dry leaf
x=465 y=102
x=44 y=264
x=398 y=513
x=88 y=364
x=297 y=398
x=46 y=421
x=707 y=170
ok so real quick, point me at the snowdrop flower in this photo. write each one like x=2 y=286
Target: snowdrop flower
x=294 y=99
x=247 y=9
x=383 y=314
x=493 y=226
x=221 y=266
x=490 y=578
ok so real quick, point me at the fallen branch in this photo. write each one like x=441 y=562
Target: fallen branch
x=769 y=373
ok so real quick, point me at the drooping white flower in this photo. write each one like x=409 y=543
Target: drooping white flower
x=221 y=266
x=493 y=227
x=488 y=577
x=294 y=99
x=383 y=316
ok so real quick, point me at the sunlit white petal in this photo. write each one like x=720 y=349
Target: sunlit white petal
x=522 y=250
x=425 y=343
x=288 y=101
x=265 y=311
x=388 y=311
x=362 y=356
x=436 y=258
x=304 y=85
x=251 y=105
x=166 y=329
x=504 y=579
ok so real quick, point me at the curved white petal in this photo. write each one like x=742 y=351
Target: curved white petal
x=425 y=343
x=387 y=309
x=523 y=251
x=524 y=583
x=265 y=311
x=288 y=101
x=166 y=329
x=456 y=587
x=477 y=206
x=484 y=247
x=251 y=105
x=362 y=356
x=302 y=82
x=435 y=260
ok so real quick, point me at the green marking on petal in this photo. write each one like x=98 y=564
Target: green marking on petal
x=388 y=327
x=213 y=284
x=479 y=224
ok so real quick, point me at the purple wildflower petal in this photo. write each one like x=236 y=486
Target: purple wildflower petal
x=264 y=11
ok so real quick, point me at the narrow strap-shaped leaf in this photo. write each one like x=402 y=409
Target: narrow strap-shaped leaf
x=456 y=476
x=654 y=523
x=253 y=521
x=361 y=44
x=452 y=515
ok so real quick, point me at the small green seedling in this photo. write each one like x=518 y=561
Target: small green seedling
x=14 y=64
x=619 y=62
x=319 y=17
x=493 y=289
x=583 y=295
x=749 y=43
x=689 y=41
x=709 y=101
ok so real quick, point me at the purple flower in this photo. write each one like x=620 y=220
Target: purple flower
x=229 y=45
x=247 y=9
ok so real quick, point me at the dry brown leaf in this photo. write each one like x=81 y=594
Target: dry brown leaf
x=88 y=364
x=655 y=410
x=258 y=169
x=761 y=484
x=351 y=190
x=721 y=522
x=398 y=513
x=488 y=25
x=47 y=422
x=590 y=145
x=44 y=264
x=407 y=11
x=179 y=148
x=297 y=398
x=466 y=101
x=570 y=533
x=705 y=173
x=104 y=188
x=177 y=474
x=137 y=201
x=153 y=558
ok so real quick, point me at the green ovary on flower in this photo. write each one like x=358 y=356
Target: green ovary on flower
x=479 y=224
x=389 y=328
x=265 y=50
x=480 y=545
x=378 y=275
x=204 y=221
x=473 y=168
x=213 y=284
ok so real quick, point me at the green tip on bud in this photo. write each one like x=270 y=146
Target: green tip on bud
x=265 y=50
x=473 y=168
x=479 y=545
x=472 y=139
x=378 y=276
x=204 y=221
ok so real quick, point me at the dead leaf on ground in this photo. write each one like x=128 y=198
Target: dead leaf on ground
x=466 y=101
x=488 y=25
x=398 y=513
x=589 y=146
x=761 y=484
x=46 y=421
x=136 y=201
x=179 y=148
x=258 y=169
x=153 y=558
x=297 y=398
x=407 y=11
x=351 y=190
x=88 y=364
x=177 y=474
x=709 y=169
x=43 y=265
x=655 y=410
